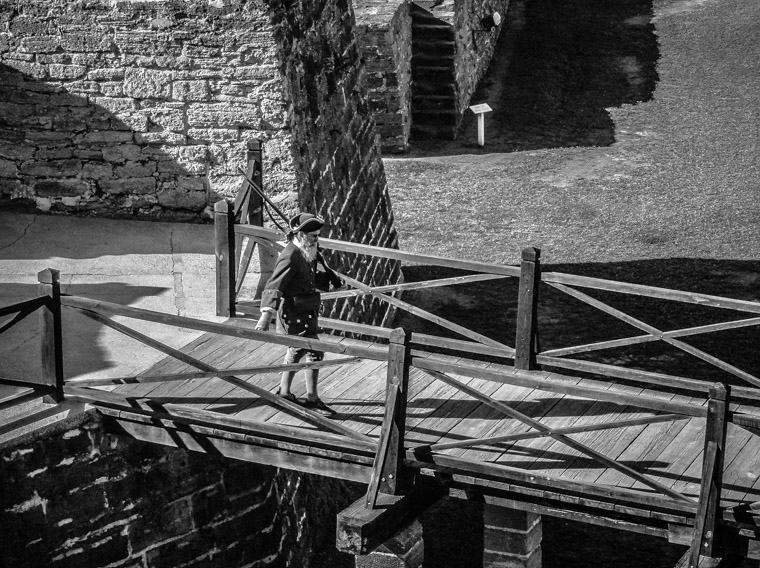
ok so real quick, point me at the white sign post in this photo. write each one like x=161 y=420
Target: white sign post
x=481 y=110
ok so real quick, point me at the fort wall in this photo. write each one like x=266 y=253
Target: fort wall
x=77 y=495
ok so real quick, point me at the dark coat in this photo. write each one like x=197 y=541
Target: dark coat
x=292 y=291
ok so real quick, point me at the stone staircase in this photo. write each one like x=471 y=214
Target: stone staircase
x=433 y=79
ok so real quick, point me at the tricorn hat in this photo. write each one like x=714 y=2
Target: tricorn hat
x=306 y=222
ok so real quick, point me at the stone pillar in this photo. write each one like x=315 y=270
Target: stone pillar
x=511 y=538
x=404 y=550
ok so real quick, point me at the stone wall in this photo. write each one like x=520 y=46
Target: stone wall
x=385 y=32
x=136 y=109
x=337 y=161
x=474 y=47
x=78 y=496
x=384 y=29
x=145 y=109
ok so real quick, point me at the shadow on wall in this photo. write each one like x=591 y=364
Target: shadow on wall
x=490 y=308
x=558 y=66
x=127 y=158
x=83 y=354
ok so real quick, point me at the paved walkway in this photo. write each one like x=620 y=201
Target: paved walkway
x=159 y=266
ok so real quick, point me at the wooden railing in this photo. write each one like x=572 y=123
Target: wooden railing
x=722 y=402
x=50 y=382
x=394 y=462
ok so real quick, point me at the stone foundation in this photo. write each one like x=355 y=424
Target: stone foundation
x=405 y=550
x=79 y=496
x=511 y=538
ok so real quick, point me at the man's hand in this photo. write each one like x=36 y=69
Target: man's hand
x=264 y=320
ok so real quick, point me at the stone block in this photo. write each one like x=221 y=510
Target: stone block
x=95 y=39
x=39 y=44
x=221 y=115
x=60 y=187
x=67 y=72
x=8 y=169
x=112 y=88
x=115 y=105
x=191 y=91
x=106 y=74
x=167 y=118
x=135 y=170
x=505 y=518
x=107 y=137
x=495 y=560
x=213 y=135
x=181 y=199
x=97 y=170
x=12 y=187
x=147 y=83
x=139 y=186
x=130 y=122
x=54 y=168
x=15 y=151
x=513 y=542
x=121 y=153
x=171 y=138
x=170 y=520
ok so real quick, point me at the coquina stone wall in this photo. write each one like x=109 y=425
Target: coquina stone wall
x=385 y=31
x=137 y=109
x=474 y=44
x=384 y=28
x=145 y=109
x=79 y=496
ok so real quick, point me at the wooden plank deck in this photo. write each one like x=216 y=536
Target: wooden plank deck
x=669 y=452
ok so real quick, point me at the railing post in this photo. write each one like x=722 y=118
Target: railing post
x=527 y=307
x=255 y=213
x=51 y=338
x=224 y=248
x=705 y=525
x=388 y=472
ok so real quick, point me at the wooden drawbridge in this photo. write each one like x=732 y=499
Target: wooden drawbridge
x=418 y=414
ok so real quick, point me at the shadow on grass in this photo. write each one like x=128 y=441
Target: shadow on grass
x=558 y=66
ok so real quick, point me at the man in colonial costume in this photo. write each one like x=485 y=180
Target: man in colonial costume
x=291 y=295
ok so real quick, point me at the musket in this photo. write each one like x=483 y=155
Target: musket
x=259 y=191
x=266 y=199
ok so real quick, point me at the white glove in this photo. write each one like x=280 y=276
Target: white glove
x=264 y=320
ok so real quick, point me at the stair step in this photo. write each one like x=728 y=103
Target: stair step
x=432 y=33
x=435 y=75
x=433 y=50
x=431 y=132
x=423 y=88
x=421 y=104
x=443 y=118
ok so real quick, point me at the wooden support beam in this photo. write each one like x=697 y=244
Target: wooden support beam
x=706 y=521
x=389 y=475
x=51 y=334
x=224 y=249
x=360 y=530
x=527 y=308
